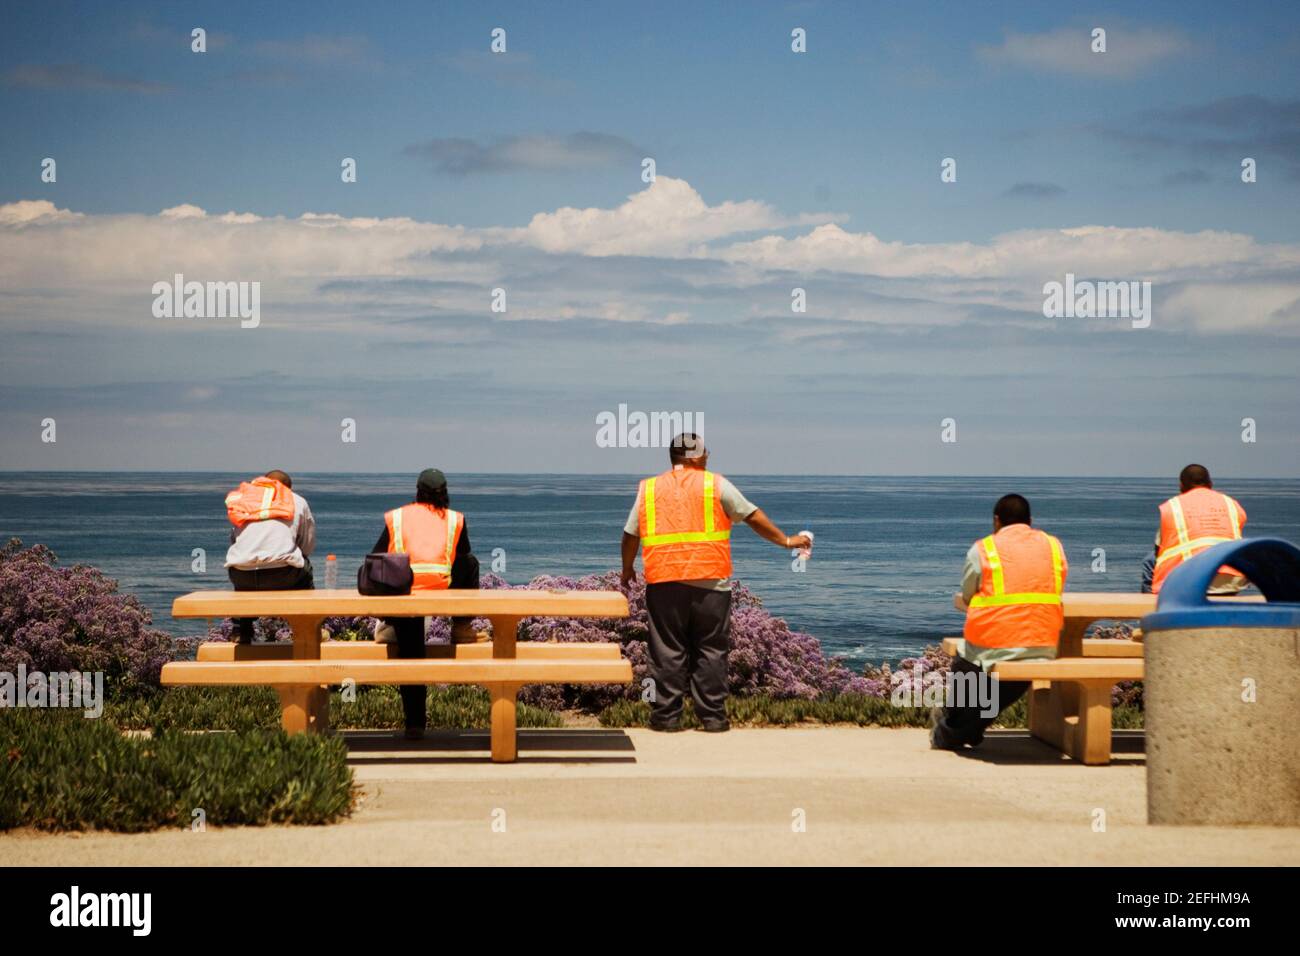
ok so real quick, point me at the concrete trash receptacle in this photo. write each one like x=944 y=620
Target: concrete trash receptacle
x=1222 y=692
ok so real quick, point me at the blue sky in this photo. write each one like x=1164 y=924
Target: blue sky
x=522 y=171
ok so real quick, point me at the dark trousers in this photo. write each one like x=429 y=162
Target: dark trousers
x=286 y=578
x=690 y=635
x=966 y=724
x=410 y=639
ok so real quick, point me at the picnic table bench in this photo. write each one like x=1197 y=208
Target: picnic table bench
x=1070 y=697
x=301 y=670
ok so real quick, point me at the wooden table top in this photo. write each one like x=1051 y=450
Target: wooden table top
x=349 y=603
x=1120 y=605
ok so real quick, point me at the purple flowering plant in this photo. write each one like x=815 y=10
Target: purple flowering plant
x=74 y=619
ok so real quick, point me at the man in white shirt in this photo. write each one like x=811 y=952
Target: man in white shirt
x=272 y=555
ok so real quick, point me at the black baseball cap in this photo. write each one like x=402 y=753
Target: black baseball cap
x=431 y=479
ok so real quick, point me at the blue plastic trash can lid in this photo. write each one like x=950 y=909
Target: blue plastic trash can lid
x=1271 y=564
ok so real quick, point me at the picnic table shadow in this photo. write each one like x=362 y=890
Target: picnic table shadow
x=452 y=745
x=1017 y=747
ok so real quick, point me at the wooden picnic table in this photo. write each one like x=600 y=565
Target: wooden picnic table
x=1069 y=698
x=1064 y=713
x=300 y=679
x=1085 y=608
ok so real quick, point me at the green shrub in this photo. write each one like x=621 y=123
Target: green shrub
x=197 y=708
x=248 y=708
x=60 y=771
x=863 y=710
x=456 y=705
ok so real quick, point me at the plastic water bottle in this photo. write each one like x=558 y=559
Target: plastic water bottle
x=806 y=552
x=331 y=572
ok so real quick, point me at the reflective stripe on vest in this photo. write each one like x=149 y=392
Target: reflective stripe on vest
x=1000 y=597
x=650 y=539
x=421 y=567
x=268 y=495
x=1188 y=546
x=259 y=500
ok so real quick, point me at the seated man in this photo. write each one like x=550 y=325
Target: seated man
x=1196 y=519
x=437 y=540
x=1011 y=592
x=272 y=537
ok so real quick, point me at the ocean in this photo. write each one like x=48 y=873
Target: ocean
x=887 y=560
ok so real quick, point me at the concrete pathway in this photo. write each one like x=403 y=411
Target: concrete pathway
x=863 y=796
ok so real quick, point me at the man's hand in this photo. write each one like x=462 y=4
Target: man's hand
x=800 y=541
x=959 y=602
x=630 y=545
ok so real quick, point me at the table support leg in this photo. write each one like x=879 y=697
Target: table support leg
x=504 y=743
x=1051 y=710
x=504 y=628
x=1086 y=735
x=1092 y=728
x=304 y=709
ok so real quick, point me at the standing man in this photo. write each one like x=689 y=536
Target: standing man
x=1196 y=519
x=1011 y=593
x=682 y=522
x=436 y=539
x=272 y=537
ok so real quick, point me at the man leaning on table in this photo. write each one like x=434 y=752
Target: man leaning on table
x=272 y=537
x=681 y=520
x=1011 y=593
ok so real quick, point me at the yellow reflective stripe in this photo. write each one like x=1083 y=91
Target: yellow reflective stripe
x=710 y=532
x=999 y=597
x=431 y=568
x=684 y=537
x=451 y=536
x=995 y=565
x=1058 y=563
x=1180 y=521
x=267 y=495
x=398 y=544
x=1184 y=551
x=1234 y=517
x=650 y=507
x=999 y=600
x=708 y=502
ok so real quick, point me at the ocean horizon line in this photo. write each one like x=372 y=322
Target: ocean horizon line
x=616 y=474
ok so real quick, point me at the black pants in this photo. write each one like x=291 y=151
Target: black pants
x=410 y=639
x=286 y=578
x=966 y=724
x=690 y=635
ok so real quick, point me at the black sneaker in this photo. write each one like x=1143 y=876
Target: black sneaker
x=716 y=727
x=672 y=728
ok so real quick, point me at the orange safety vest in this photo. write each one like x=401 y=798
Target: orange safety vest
x=259 y=500
x=1022 y=575
x=1190 y=523
x=685 y=533
x=429 y=536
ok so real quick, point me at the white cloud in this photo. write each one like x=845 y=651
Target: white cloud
x=1083 y=250
x=392 y=271
x=668 y=218
x=33 y=211
x=1129 y=50
x=183 y=211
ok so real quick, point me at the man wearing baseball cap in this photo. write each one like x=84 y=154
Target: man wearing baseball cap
x=436 y=539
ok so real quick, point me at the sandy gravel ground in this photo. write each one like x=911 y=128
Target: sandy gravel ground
x=872 y=796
